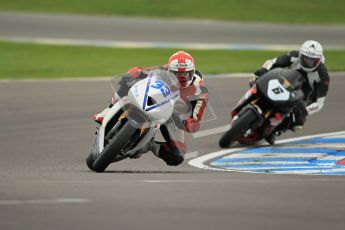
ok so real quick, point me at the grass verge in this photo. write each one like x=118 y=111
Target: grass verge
x=32 y=61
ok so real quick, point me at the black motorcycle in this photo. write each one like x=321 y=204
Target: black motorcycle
x=264 y=107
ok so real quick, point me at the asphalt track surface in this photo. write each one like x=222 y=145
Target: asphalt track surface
x=57 y=26
x=46 y=133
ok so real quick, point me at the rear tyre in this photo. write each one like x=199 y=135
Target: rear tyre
x=239 y=127
x=114 y=147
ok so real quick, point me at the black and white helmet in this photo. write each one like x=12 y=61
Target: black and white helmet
x=310 y=55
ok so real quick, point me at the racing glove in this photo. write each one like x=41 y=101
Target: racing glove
x=260 y=72
x=257 y=74
x=252 y=80
x=192 y=125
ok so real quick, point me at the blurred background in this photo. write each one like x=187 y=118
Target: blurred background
x=85 y=38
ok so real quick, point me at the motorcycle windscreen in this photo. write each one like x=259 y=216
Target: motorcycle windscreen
x=121 y=83
x=151 y=95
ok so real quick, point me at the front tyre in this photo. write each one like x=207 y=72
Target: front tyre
x=114 y=147
x=238 y=128
x=89 y=161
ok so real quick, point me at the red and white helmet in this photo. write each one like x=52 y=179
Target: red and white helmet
x=183 y=66
x=310 y=55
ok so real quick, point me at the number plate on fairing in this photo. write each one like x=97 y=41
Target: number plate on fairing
x=276 y=91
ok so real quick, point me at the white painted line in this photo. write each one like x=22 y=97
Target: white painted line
x=191 y=155
x=258 y=163
x=312 y=171
x=134 y=44
x=310 y=136
x=324 y=145
x=275 y=155
x=146 y=44
x=209 y=132
x=168 y=181
x=250 y=169
x=64 y=79
x=228 y=75
x=231 y=180
x=52 y=201
x=108 y=78
x=199 y=162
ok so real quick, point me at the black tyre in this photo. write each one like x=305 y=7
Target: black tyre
x=239 y=127
x=115 y=145
x=89 y=161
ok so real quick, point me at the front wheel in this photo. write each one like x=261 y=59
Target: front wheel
x=239 y=127
x=114 y=147
x=89 y=161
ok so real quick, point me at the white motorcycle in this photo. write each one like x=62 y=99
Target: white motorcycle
x=133 y=121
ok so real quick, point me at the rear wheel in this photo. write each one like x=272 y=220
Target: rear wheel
x=114 y=147
x=239 y=127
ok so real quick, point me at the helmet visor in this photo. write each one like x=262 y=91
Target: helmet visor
x=184 y=77
x=309 y=62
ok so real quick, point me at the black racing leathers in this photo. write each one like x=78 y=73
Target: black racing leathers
x=315 y=84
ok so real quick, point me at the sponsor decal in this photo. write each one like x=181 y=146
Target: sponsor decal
x=181 y=65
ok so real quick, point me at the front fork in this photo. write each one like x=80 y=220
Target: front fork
x=146 y=137
x=146 y=133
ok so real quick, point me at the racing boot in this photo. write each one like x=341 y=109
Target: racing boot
x=271 y=139
x=171 y=156
x=152 y=146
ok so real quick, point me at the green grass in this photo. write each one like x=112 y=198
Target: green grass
x=31 y=61
x=293 y=11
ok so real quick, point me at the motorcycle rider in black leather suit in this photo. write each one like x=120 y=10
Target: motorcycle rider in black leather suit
x=310 y=62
